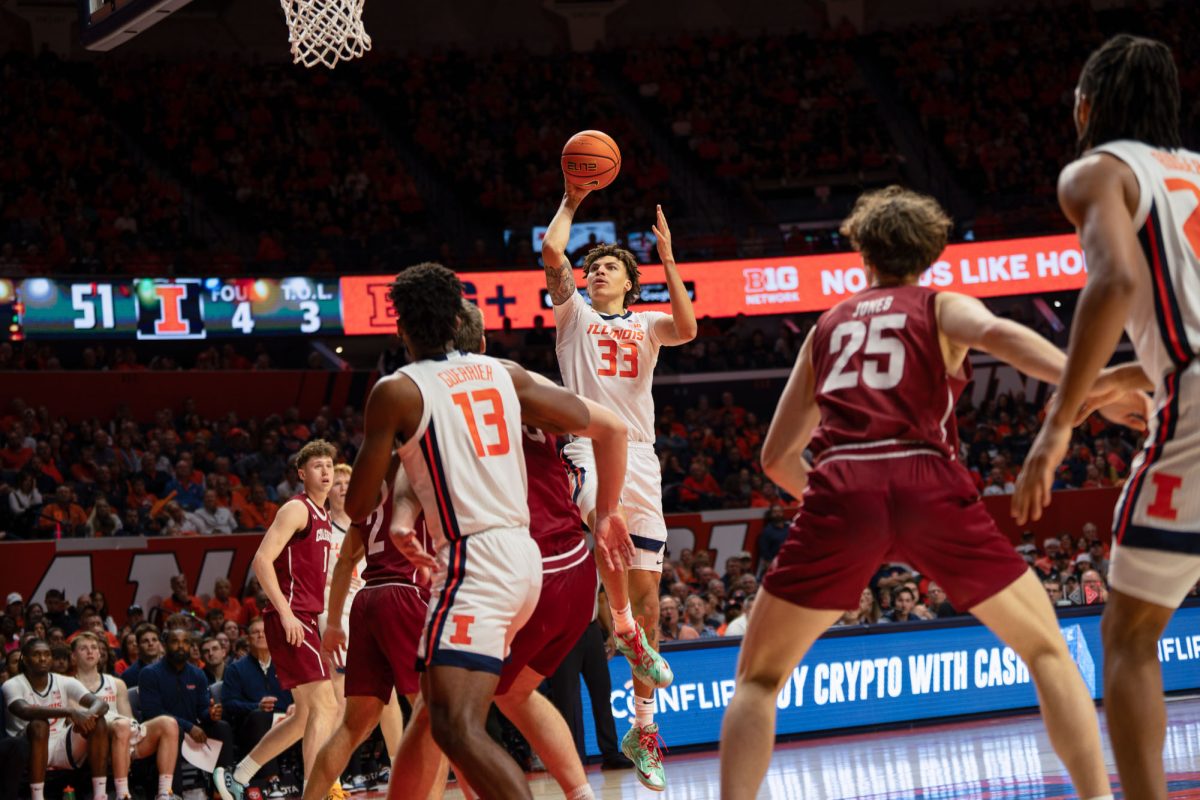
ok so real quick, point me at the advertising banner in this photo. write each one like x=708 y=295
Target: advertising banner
x=860 y=677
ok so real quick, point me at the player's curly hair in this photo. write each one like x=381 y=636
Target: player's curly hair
x=470 y=328
x=898 y=231
x=427 y=298
x=627 y=260
x=1133 y=87
x=317 y=448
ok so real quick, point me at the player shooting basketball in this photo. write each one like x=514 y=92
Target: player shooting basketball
x=607 y=354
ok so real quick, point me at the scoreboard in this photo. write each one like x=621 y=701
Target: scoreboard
x=185 y=308
x=359 y=305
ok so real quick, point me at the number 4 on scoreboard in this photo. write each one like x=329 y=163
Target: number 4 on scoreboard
x=243 y=319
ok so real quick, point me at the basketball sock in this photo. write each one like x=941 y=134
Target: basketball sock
x=644 y=711
x=100 y=788
x=582 y=792
x=122 y=785
x=165 y=780
x=247 y=768
x=622 y=618
x=37 y=791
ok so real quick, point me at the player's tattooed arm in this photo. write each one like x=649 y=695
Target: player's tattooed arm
x=560 y=280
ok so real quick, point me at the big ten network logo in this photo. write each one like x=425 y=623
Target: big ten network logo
x=169 y=309
x=771 y=285
x=383 y=313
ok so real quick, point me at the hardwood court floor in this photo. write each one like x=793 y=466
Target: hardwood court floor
x=1008 y=759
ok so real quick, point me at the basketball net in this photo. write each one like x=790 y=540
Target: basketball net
x=325 y=31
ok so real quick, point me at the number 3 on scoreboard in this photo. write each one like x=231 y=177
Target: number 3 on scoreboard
x=611 y=352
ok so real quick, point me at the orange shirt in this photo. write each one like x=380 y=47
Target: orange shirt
x=54 y=515
x=254 y=518
x=231 y=608
x=173 y=606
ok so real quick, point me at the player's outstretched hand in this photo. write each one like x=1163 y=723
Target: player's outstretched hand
x=613 y=543
x=408 y=543
x=1037 y=475
x=662 y=237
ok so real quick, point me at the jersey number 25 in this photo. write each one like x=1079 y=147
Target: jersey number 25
x=848 y=338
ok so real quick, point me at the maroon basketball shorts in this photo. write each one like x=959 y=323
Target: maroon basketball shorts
x=296 y=666
x=920 y=509
x=386 y=621
x=563 y=612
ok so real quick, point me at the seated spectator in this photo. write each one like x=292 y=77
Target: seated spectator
x=90 y=621
x=258 y=513
x=187 y=492
x=213 y=518
x=694 y=611
x=738 y=626
x=1054 y=592
x=904 y=606
x=215 y=659
x=179 y=601
x=868 y=611
x=59 y=614
x=671 y=627
x=1092 y=590
x=937 y=603
x=252 y=693
x=127 y=653
x=150 y=650
x=700 y=489
x=63 y=517
x=103 y=521
x=129 y=739
x=771 y=538
x=64 y=722
x=178 y=688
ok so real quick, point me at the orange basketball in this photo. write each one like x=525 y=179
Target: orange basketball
x=591 y=159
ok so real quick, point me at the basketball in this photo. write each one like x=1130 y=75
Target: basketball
x=591 y=159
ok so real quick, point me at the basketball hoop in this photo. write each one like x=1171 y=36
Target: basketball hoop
x=325 y=31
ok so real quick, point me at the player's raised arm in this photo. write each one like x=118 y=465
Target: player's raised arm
x=551 y=407
x=967 y=322
x=1097 y=194
x=291 y=517
x=392 y=407
x=680 y=327
x=795 y=419
x=560 y=280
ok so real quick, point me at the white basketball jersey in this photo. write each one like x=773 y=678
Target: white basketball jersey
x=1164 y=322
x=108 y=693
x=465 y=460
x=61 y=692
x=335 y=551
x=609 y=359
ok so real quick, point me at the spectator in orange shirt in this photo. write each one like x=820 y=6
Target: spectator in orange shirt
x=228 y=605
x=90 y=620
x=180 y=602
x=259 y=513
x=16 y=455
x=700 y=489
x=64 y=514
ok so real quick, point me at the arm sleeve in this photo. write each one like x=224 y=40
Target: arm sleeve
x=651 y=322
x=567 y=314
x=151 y=700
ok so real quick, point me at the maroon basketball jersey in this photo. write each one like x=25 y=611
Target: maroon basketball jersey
x=304 y=562
x=386 y=564
x=881 y=381
x=554 y=521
